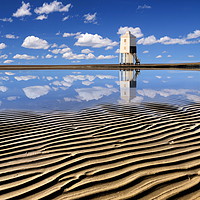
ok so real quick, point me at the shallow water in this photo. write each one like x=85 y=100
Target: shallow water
x=78 y=89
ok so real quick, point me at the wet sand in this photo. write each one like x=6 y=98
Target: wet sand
x=147 y=151
x=178 y=66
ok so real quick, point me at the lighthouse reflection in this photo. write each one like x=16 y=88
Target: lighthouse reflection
x=128 y=83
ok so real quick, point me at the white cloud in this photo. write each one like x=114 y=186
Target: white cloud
x=105 y=57
x=105 y=77
x=2 y=46
x=159 y=56
x=3 y=89
x=90 y=18
x=117 y=51
x=164 y=40
x=159 y=77
x=67 y=99
x=63 y=46
x=8 y=61
x=10 y=36
x=33 y=42
x=54 y=45
x=7 y=20
x=24 y=56
x=144 y=81
x=25 y=78
x=144 y=7
x=148 y=40
x=135 y=31
x=4 y=56
x=41 y=17
x=108 y=48
x=48 y=56
x=190 y=56
x=72 y=56
x=94 y=93
x=4 y=78
x=61 y=51
x=193 y=35
x=86 y=51
x=65 y=18
x=71 y=34
x=169 y=56
x=12 y=98
x=95 y=41
x=145 y=51
x=23 y=10
x=87 y=83
x=34 y=92
x=54 y=6
x=9 y=73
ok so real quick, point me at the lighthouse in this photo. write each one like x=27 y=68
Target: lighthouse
x=128 y=50
x=128 y=80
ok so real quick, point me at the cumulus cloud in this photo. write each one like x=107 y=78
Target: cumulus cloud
x=145 y=51
x=87 y=83
x=168 y=40
x=3 y=89
x=9 y=73
x=24 y=10
x=148 y=40
x=108 y=48
x=100 y=57
x=190 y=56
x=12 y=98
x=143 y=7
x=159 y=56
x=2 y=46
x=90 y=18
x=48 y=56
x=61 y=51
x=24 y=56
x=86 y=51
x=8 y=61
x=105 y=77
x=4 y=56
x=95 y=41
x=4 y=78
x=72 y=56
x=54 y=6
x=94 y=93
x=71 y=34
x=193 y=35
x=41 y=17
x=65 y=18
x=7 y=20
x=33 y=42
x=169 y=56
x=135 y=31
x=34 y=92
x=10 y=36
x=25 y=78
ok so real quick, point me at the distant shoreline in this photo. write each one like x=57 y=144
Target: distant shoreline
x=183 y=66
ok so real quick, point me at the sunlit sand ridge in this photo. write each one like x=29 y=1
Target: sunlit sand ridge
x=149 y=151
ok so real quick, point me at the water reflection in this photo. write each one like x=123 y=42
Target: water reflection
x=75 y=90
x=128 y=83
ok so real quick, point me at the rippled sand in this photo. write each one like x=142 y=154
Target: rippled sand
x=149 y=151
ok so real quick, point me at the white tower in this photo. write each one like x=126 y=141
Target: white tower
x=128 y=84
x=128 y=51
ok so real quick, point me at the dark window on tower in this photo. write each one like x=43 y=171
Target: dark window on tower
x=133 y=49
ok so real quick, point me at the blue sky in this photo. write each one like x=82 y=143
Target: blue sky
x=81 y=32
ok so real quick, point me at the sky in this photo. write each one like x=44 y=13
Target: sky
x=88 y=32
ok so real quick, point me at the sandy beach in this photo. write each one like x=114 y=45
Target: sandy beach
x=146 y=151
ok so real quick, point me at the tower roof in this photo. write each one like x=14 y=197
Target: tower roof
x=128 y=35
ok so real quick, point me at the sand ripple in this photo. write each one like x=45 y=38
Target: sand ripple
x=149 y=151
